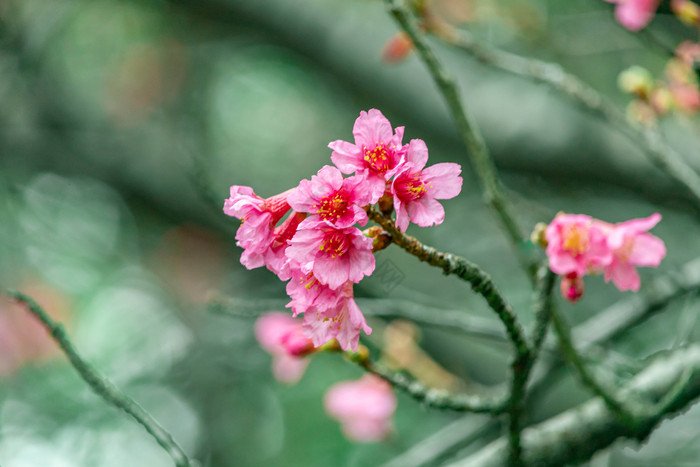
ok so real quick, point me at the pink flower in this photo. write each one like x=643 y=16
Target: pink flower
x=363 y=407
x=278 y=334
x=306 y=291
x=275 y=258
x=416 y=189
x=258 y=219
x=576 y=245
x=335 y=256
x=343 y=321
x=632 y=246
x=635 y=14
x=377 y=153
x=331 y=198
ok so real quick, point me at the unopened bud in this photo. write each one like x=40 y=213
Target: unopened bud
x=360 y=356
x=397 y=48
x=641 y=112
x=661 y=100
x=295 y=343
x=686 y=11
x=636 y=81
x=537 y=236
x=572 y=287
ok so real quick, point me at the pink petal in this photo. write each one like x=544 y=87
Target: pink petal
x=370 y=128
x=417 y=154
x=288 y=369
x=346 y=156
x=443 y=180
x=648 y=250
x=426 y=212
x=625 y=277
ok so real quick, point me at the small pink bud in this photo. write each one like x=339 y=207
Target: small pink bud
x=572 y=287
x=397 y=48
x=295 y=343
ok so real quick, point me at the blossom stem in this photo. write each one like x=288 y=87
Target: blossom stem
x=479 y=280
x=101 y=385
x=476 y=148
x=648 y=139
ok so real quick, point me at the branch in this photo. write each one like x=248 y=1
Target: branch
x=101 y=385
x=476 y=148
x=480 y=281
x=436 y=398
x=575 y=435
x=648 y=139
x=522 y=369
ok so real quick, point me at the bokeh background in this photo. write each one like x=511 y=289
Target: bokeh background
x=122 y=125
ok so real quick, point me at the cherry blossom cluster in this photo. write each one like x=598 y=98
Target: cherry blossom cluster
x=578 y=245
x=309 y=235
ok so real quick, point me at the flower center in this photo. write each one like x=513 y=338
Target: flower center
x=411 y=188
x=379 y=158
x=332 y=207
x=576 y=239
x=335 y=244
x=309 y=281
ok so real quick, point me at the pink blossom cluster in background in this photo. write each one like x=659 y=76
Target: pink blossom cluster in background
x=318 y=247
x=578 y=245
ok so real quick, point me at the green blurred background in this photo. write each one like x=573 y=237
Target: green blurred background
x=122 y=125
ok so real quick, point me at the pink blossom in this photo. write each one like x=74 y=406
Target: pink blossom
x=343 y=321
x=278 y=334
x=335 y=256
x=275 y=258
x=363 y=407
x=376 y=155
x=632 y=246
x=306 y=291
x=416 y=189
x=635 y=14
x=576 y=245
x=258 y=219
x=331 y=198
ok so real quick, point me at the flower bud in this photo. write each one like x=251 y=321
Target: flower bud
x=636 y=81
x=537 y=236
x=661 y=100
x=686 y=11
x=397 y=48
x=572 y=287
x=295 y=343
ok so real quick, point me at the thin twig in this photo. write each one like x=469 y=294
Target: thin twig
x=476 y=148
x=479 y=280
x=101 y=385
x=648 y=139
x=436 y=398
x=572 y=357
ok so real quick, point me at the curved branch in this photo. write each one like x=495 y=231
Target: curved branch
x=101 y=385
x=436 y=398
x=648 y=139
x=479 y=280
x=476 y=148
